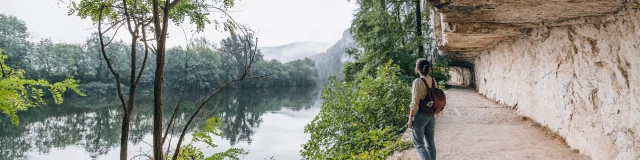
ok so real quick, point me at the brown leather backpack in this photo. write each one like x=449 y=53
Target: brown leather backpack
x=438 y=97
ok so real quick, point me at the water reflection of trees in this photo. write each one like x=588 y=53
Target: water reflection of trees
x=241 y=111
x=94 y=123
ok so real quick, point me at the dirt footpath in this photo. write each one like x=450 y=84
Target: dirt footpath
x=473 y=127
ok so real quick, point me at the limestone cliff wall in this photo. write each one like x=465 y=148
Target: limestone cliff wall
x=581 y=80
x=460 y=76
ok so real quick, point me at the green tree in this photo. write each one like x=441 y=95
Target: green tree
x=13 y=39
x=390 y=30
x=153 y=16
x=19 y=94
x=57 y=61
x=359 y=121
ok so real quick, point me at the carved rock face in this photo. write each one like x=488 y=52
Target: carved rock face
x=581 y=81
x=463 y=26
x=570 y=65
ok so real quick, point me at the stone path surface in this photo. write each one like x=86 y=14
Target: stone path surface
x=473 y=127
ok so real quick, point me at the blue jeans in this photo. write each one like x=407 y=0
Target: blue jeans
x=423 y=129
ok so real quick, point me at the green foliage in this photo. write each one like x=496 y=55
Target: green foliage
x=442 y=84
x=190 y=152
x=19 y=94
x=440 y=70
x=113 y=11
x=399 y=145
x=386 y=31
x=204 y=67
x=358 y=121
x=14 y=40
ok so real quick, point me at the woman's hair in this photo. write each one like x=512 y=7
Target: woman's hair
x=423 y=66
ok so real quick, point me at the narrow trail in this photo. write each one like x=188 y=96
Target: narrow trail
x=473 y=127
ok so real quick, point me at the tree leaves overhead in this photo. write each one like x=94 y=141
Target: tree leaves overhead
x=196 y=11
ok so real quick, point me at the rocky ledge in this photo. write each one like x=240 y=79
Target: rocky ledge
x=464 y=27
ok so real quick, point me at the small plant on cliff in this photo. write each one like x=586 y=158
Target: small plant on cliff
x=359 y=121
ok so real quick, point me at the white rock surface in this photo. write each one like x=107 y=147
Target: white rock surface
x=460 y=76
x=580 y=80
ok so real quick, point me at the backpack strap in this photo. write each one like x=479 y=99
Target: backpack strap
x=429 y=90
x=433 y=84
x=424 y=81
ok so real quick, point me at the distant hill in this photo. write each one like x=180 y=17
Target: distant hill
x=293 y=51
x=329 y=63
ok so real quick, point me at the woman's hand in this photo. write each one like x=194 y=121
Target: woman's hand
x=409 y=125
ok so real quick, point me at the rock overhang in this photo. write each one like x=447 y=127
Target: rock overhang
x=463 y=28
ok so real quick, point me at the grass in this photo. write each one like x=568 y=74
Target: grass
x=400 y=145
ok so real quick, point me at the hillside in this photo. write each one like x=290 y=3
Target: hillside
x=329 y=63
x=293 y=51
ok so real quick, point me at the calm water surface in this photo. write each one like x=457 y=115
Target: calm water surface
x=267 y=122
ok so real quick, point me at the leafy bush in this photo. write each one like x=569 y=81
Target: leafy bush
x=190 y=152
x=441 y=74
x=440 y=70
x=359 y=120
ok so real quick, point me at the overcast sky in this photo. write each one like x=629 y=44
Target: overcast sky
x=277 y=22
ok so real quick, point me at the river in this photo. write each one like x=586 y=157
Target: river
x=266 y=122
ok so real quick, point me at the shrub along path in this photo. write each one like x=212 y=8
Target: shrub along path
x=473 y=127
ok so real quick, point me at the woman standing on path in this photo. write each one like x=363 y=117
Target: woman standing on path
x=421 y=121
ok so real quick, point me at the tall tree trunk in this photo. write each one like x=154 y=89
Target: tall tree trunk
x=124 y=136
x=126 y=119
x=161 y=35
x=157 y=103
x=419 y=29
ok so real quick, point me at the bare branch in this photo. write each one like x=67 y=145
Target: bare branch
x=113 y=25
x=146 y=54
x=124 y=136
x=141 y=155
x=173 y=4
x=173 y=116
x=251 y=57
x=145 y=41
x=170 y=139
x=114 y=35
x=243 y=29
x=126 y=15
x=186 y=127
x=153 y=48
x=109 y=65
x=145 y=142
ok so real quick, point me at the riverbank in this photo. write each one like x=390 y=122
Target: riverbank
x=473 y=127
